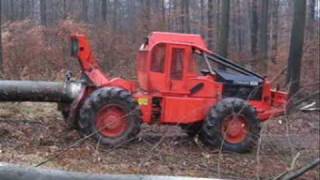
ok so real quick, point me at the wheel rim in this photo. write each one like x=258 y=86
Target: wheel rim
x=111 y=121
x=235 y=129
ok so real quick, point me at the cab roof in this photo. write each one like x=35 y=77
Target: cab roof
x=193 y=40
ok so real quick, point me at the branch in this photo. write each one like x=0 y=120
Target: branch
x=299 y=172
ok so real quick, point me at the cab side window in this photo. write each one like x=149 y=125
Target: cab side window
x=158 y=58
x=177 y=65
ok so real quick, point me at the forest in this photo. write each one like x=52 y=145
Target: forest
x=278 y=39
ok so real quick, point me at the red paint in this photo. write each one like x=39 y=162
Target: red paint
x=162 y=76
x=235 y=129
x=111 y=121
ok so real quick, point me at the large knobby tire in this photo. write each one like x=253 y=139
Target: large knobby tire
x=111 y=115
x=233 y=125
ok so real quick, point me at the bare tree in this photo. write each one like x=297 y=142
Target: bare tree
x=1 y=60
x=296 y=45
x=104 y=10
x=43 y=12
x=254 y=27
x=85 y=9
x=264 y=36
x=275 y=29
x=210 y=24
x=224 y=29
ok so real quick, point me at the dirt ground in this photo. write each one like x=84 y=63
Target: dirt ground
x=32 y=133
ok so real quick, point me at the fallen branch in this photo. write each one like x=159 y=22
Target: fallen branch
x=292 y=174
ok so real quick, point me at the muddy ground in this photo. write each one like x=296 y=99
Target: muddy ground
x=32 y=133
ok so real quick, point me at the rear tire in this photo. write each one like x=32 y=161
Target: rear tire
x=111 y=116
x=232 y=125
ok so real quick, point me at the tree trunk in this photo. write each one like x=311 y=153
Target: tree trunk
x=202 y=24
x=311 y=18
x=264 y=37
x=163 y=12
x=104 y=10
x=275 y=29
x=254 y=28
x=181 y=15
x=210 y=24
x=312 y=8
x=240 y=34
x=43 y=12
x=1 y=60
x=217 y=17
x=224 y=29
x=64 y=6
x=115 y=16
x=296 y=46
x=23 y=10
x=85 y=8
x=187 y=27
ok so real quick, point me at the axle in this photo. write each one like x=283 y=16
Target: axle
x=39 y=91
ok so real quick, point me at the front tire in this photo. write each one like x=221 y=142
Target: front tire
x=111 y=115
x=232 y=125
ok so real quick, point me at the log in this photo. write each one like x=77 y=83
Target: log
x=39 y=91
x=12 y=172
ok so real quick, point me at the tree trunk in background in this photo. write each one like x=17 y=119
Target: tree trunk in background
x=240 y=34
x=210 y=24
x=115 y=16
x=12 y=14
x=311 y=18
x=23 y=10
x=275 y=29
x=163 y=13
x=264 y=36
x=85 y=9
x=296 y=46
x=224 y=29
x=43 y=12
x=202 y=24
x=1 y=60
x=182 y=16
x=187 y=27
x=36 y=13
x=217 y=18
x=146 y=16
x=312 y=5
x=254 y=28
x=64 y=6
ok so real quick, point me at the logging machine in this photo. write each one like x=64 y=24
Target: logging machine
x=179 y=82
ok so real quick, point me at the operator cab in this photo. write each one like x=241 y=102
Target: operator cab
x=177 y=63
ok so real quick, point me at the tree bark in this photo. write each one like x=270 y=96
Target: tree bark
x=312 y=9
x=85 y=9
x=254 y=28
x=187 y=16
x=264 y=37
x=65 y=15
x=296 y=46
x=104 y=10
x=275 y=29
x=223 y=39
x=43 y=12
x=202 y=24
x=1 y=60
x=210 y=24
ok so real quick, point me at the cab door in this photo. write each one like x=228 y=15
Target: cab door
x=179 y=59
